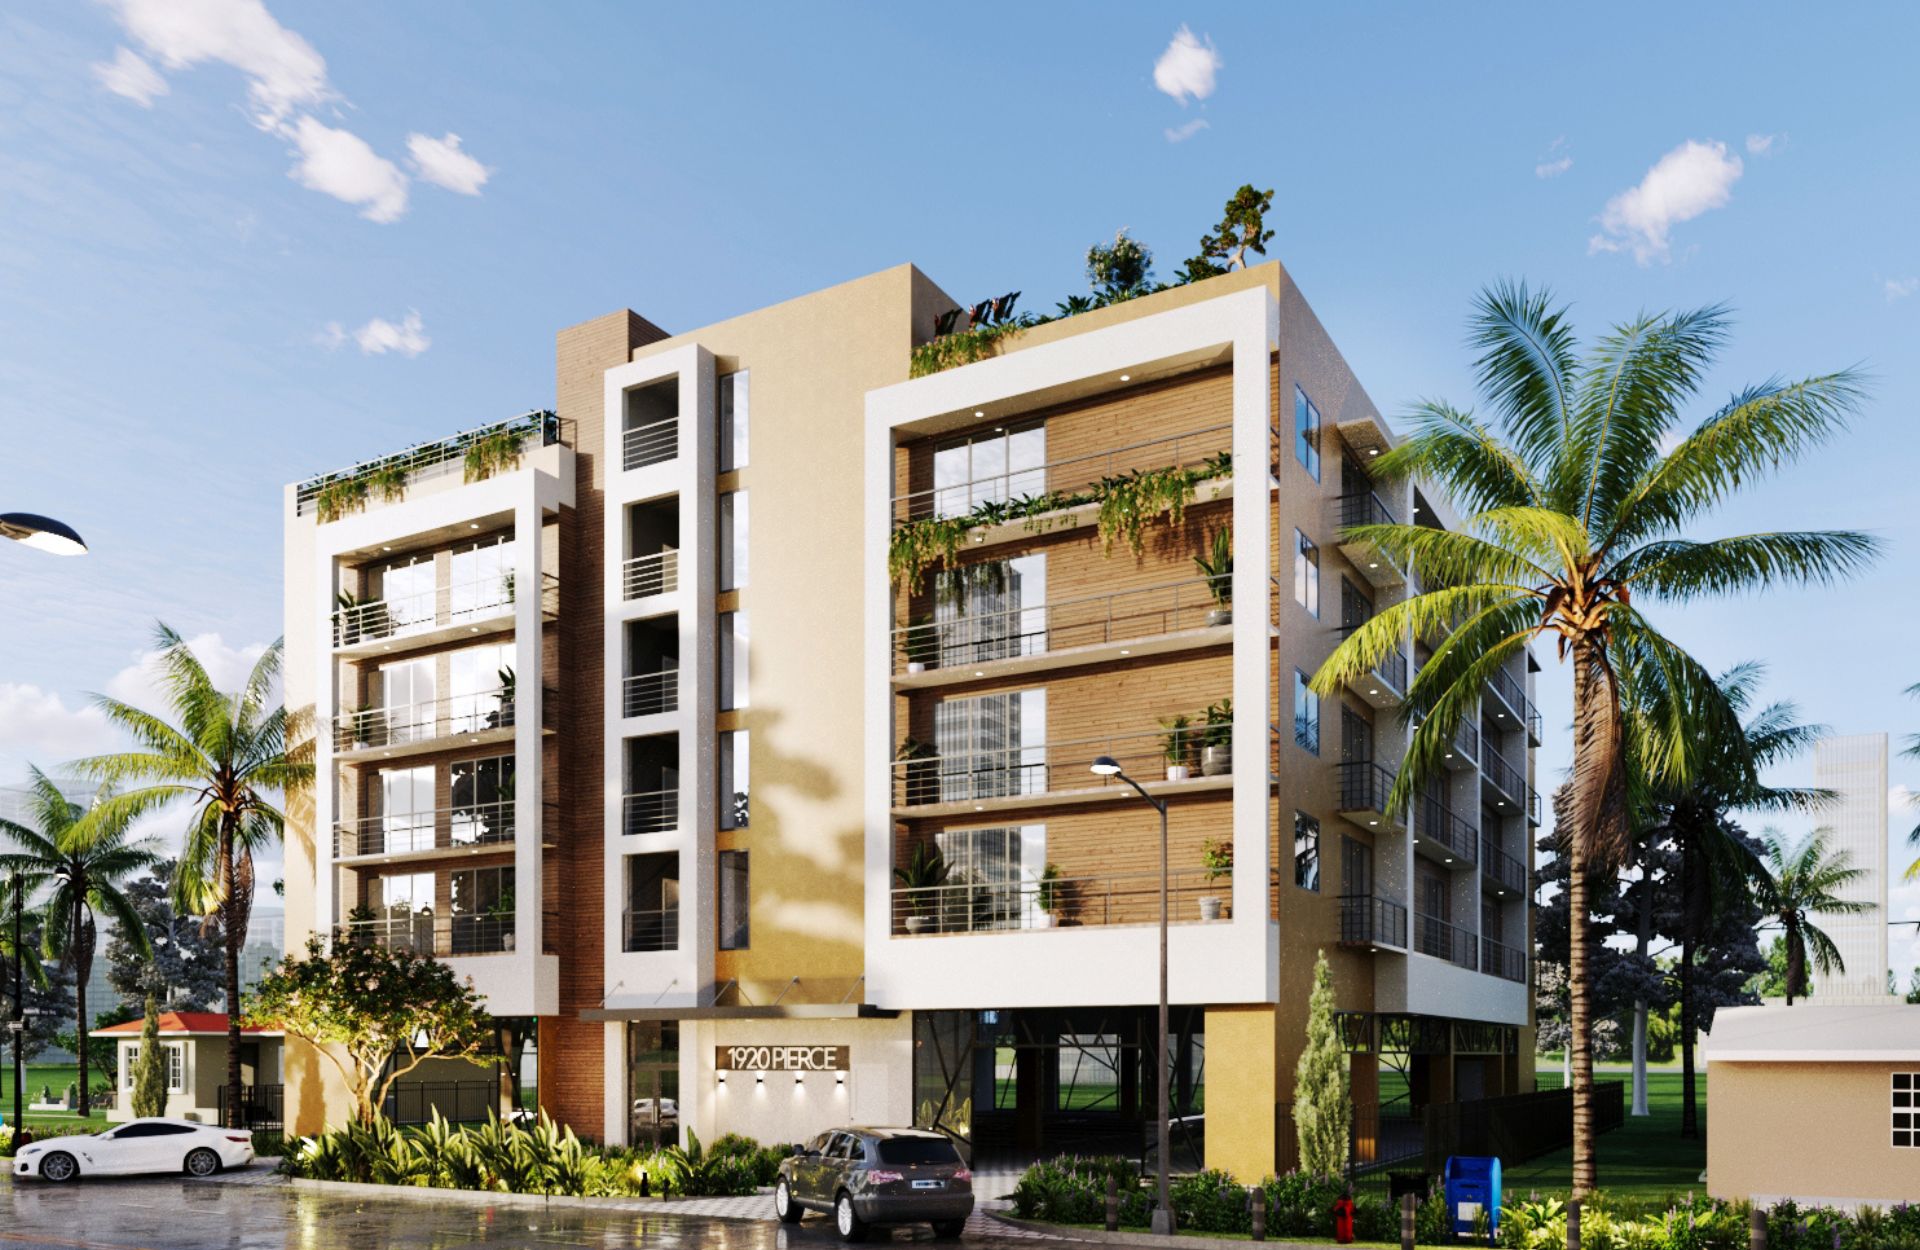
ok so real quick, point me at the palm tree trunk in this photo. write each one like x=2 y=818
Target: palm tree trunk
x=1796 y=962
x=83 y=968
x=1643 y=939
x=1689 y=1098
x=1585 y=1171
x=234 y=932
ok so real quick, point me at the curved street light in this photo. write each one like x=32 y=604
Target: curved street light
x=42 y=533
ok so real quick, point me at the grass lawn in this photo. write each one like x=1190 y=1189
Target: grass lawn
x=1644 y=1161
x=55 y=1078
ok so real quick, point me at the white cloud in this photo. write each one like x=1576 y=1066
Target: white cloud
x=129 y=75
x=1180 y=134
x=1186 y=69
x=1900 y=288
x=1557 y=161
x=339 y=163
x=380 y=336
x=1761 y=145
x=283 y=71
x=441 y=162
x=1683 y=184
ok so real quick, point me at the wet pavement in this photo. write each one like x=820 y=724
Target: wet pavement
x=168 y=1213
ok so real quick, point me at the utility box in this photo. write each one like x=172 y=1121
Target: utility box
x=1472 y=1188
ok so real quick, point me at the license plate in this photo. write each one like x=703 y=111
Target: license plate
x=929 y=1184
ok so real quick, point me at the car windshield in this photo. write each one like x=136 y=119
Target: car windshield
x=909 y=1150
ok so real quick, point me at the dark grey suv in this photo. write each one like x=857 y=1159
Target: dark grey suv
x=868 y=1176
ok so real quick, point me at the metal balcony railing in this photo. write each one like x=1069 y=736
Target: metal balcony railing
x=440 y=936
x=649 y=694
x=398 y=724
x=439 y=829
x=650 y=811
x=1508 y=780
x=436 y=456
x=656 y=574
x=1120 y=898
x=1444 y=940
x=1364 y=508
x=1514 y=695
x=1438 y=823
x=401 y=616
x=1064 y=477
x=1502 y=869
x=1364 y=786
x=1502 y=961
x=1042 y=768
x=651 y=929
x=1466 y=739
x=654 y=443
x=1368 y=920
x=980 y=637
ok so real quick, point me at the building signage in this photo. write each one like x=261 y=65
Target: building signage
x=780 y=1058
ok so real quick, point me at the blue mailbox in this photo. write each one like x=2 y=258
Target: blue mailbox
x=1473 y=1187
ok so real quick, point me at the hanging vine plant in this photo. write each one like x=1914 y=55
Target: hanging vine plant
x=919 y=545
x=493 y=453
x=388 y=480
x=1127 y=503
x=952 y=350
x=339 y=496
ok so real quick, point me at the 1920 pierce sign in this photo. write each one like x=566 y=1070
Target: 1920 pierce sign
x=780 y=1058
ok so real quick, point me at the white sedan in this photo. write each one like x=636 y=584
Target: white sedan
x=156 y=1145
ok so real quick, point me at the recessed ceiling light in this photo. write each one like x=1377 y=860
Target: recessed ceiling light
x=1373 y=822
x=1374 y=565
x=1373 y=692
x=1449 y=859
x=979 y=672
x=979 y=807
x=1124 y=651
x=979 y=412
x=386 y=549
x=1126 y=377
x=1373 y=451
x=473 y=525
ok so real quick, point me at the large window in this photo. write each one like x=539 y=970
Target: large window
x=991 y=610
x=1000 y=867
x=406 y=812
x=174 y=1054
x=483 y=905
x=407 y=695
x=733 y=660
x=991 y=466
x=733 y=540
x=1306 y=714
x=483 y=797
x=1306 y=573
x=992 y=745
x=735 y=810
x=653 y=902
x=1306 y=432
x=1306 y=852
x=480 y=687
x=733 y=421
x=653 y=1083
x=407 y=590
x=734 y=932
x=480 y=579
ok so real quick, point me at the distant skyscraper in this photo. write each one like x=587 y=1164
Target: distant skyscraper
x=1854 y=767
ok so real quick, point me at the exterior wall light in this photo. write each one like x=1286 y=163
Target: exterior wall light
x=759 y=1078
x=721 y=1077
x=799 y=1078
x=839 y=1078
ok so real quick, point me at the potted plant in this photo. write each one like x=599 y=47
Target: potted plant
x=1216 y=740
x=921 y=643
x=500 y=913
x=1216 y=856
x=1177 y=745
x=1051 y=894
x=347 y=624
x=1217 y=567
x=926 y=870
x=922 y=782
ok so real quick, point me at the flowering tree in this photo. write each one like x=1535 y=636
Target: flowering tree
x=363 y=1005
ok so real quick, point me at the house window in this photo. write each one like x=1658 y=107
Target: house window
x=130 y=1057
x=734 y=809
x=733 y=421
x=733 y=540
x=733 y=661
x=734 y=933
x=1306 y=714
x=990 y=467
x=1306 y=432
x=1906 y=1109
x=1306 y=852
x=176 y=1053
x=1306 y=573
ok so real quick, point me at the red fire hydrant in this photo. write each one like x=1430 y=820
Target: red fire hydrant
x=1343 y=1219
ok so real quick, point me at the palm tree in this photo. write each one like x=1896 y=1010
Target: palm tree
x=228 y=755
x=1717 y=864
x=1912 y=751
x=84 y=855
x=1800 y=884
x=1573 y=511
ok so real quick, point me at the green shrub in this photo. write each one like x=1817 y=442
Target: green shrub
x=1301 y=1205
x=1073 y=1190
x=1210 y=1202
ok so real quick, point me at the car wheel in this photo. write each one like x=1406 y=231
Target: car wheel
x=851 y=1227
x=949 y=1230
x=59 y=1166
x=202 y=1162
x=784 y=1206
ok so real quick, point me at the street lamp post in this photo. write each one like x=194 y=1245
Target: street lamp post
x=1107 y=766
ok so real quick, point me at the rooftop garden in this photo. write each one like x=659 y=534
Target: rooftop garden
x=481 y=452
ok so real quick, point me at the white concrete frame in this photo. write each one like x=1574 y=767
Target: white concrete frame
x=681 y=977
x=1234 y=961
x=525 y=981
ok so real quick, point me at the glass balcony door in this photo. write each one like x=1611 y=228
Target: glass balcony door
x=406 y=810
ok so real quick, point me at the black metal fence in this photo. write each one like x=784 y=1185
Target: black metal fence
x=1515 y=1127
x=260 y=1106
x=461 y=1102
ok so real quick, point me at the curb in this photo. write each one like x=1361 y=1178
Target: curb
x=486 y=1198
x=1101 y=1237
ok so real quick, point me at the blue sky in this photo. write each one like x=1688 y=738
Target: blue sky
x=181 y=315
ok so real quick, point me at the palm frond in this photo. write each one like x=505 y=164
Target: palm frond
x=1679 y=570
x=1463 y=458
x=1526 y=366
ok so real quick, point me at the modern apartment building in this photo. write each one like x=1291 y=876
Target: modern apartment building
x=764 y=827
x=1854 y=768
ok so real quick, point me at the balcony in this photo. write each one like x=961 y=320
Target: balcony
x=1375 y=565
x=1048 y=774
x=1442 y=940
x=435 y=617
x=467 y=828
x=656 y=442
x=650 y=811
x=332 y=495
x=1366 y=920
x=1364 y=787
x=1465 y=754
x=1510 y=787
x=1440 y=834
x=408 y=729
x=1155 y=620
x=1505 y=962
x=1506 y=873
x=1066 y=902
x=651 y=694
x=443 y=937
x=1385 y=684
x=650 y=929
x=656 y=574
x=1519 y=709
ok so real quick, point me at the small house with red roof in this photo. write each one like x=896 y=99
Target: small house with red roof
x=195 y=1046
